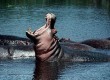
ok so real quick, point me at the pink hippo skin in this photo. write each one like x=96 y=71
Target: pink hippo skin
x=46 y=45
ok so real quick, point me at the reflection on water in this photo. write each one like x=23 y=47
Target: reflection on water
x=46 y=71
x=51 y=70
x=71 y=71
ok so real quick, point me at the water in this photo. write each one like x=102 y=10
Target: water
x=86 y=71
x=16 y=69
x=76 y=19
x=25 y=69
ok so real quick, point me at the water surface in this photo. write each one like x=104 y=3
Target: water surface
x=26 y=69
x=77 y=20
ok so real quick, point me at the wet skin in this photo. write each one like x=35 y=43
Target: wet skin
x=46 y=45
x=70 y=49
x=98 y=43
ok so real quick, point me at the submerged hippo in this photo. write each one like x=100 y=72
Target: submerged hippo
x=75 y=45
x=78 y=46
x=97 y=43
x=13 y=40
x=11 y=45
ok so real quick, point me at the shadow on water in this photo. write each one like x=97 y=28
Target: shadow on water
x=50 y=70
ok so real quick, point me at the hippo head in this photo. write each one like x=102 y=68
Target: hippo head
x=50 y=19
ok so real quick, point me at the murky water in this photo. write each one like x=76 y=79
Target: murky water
x=76 y=19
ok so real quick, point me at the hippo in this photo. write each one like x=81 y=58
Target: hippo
x=74 y=45
x=97 y=43
x=10 y=45
x=47 y=47
x=46 y=44
x=10 y=39
x=72 y=51
x=77 y=46
x=66 y=40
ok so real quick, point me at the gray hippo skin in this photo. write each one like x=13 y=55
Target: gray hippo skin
x=97 y=43
x=72 y=51
x=10 y=45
